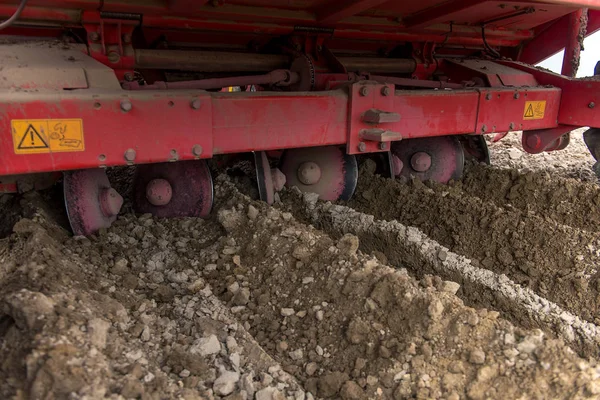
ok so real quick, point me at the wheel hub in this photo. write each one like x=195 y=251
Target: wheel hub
x=309 y=173
x=159 y=192
x=110 y=202
x=420 y=161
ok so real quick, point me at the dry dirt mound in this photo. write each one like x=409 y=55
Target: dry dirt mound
x=253 y=304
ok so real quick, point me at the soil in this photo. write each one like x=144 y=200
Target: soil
x=483 y=288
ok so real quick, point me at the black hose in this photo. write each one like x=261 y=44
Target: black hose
x=14 y=17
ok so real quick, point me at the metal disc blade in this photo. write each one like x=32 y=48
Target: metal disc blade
x=339 y=171
x=191 y=185
x=82 y=200
x=447 y=157
x=263 y=177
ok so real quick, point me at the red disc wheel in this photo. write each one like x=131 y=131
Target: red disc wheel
x=438 y=159
x=327 y=171
x=90 y=201
x=179 y=189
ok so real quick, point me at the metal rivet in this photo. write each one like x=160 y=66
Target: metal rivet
x=362 y=147
x=126 y=105
x=130 y=155
x=97 y=105
x=483 y=128
x=385 y=91
x=174 y=155
x=592 y=105
x=128 y=76
x=195 y=104
x=197 y=150
x=511 y=126
x=382 y=146
x=102 y=157
x=488 y=96
x=516 y=96
x=171 y=104
x=364 y=91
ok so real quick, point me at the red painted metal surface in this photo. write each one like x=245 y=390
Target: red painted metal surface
x=538 y=141
x=575 y=34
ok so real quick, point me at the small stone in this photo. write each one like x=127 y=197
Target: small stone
x=330 y=384
x=282 y=346
x=226 y=383
x=514 y=153
x=145 y=336
x=296 y=355
x=132 y=389
x=442 y=255
x=286 y=312
x=237 y=260
x=269 y=393
x=319 y=315
x=348 y=244
x=234 y=287
x=477 y=357
x=450 y=287
x=319 y=350
x=184 y=373
x=436 y=309
x=307 y=280
x=311 y=368
x=351 y=391
x=252 y=212
x=206 y=346
x=242 y=297
x=98 y=330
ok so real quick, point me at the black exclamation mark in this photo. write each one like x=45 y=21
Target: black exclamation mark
x=32 y=139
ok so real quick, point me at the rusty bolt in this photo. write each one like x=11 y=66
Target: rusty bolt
x=488 y=96
x=364 y=91
x=174 y=155
x=94 y=36
x=126 y=105
x=197 y=150
x=516 y=96
x=385 y=91
x=483 y=128
x=592 y=104
x=511 y=126
x=130 y=155
x=383 y=146
x=195 y=104
x=127 y=38
x=362 y=147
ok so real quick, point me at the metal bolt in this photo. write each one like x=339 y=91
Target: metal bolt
x=511 y=126
x=127 y=38
x=309 y=173
x=197 y=150
x=364 y=91
x=420 y=161
x=110 y=202
x=159 y=192
x=362 y=147
x=382 y=146
x=102 y=157
x=488 y=96
x=174 y=155
x=516 y=96
x=128 y=76
x=97 y=105
x=130 y=155
x=195 y=104
x=385 y=91
x=483 y=128
x=592 y=104
x=126 y=105
x=114 y=57
x=94 y=36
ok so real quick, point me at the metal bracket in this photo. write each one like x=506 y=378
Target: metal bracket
x=371 y=118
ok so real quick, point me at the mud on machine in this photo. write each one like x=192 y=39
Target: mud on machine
x=90 y=84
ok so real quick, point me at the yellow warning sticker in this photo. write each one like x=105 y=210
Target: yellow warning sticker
x=35 y=136
x=534 y=110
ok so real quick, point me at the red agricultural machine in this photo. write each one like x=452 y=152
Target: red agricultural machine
x=90 y=84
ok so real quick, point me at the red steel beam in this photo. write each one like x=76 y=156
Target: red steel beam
x=434 y=14
x=336 y=11
x=574 y=42
x=551 y=39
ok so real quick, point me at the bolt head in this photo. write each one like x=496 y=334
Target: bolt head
x=130 y=155
x=511 y=126
x=364 y=91
x=383 y=146
x=197 y=150
x=94 y=36
x=385 y=91
x=362 y=147
x=488 y=96
x=483 y=128
x=516 y=96
x=128 y=76
x=592 y=104
x=127 y=38
x=126 y=105
x=195 y=104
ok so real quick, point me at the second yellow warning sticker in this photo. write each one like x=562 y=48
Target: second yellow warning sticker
x=35 y=136
x=534 y=110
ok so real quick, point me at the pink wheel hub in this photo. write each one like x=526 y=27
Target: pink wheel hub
x=110 y=202
x=159 y=192
x=420 y=161
x=309 y=173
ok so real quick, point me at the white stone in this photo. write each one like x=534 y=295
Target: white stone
x=225 y=384
x=206 y=346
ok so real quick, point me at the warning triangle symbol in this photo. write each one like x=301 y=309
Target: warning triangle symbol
x=529 y=112
x=32 y=140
